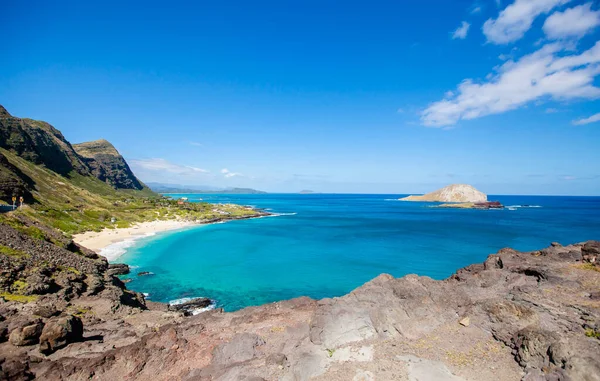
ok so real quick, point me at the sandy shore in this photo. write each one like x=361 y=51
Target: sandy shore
x=113 y=242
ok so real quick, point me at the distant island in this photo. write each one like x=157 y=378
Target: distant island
x=169 y=188
x=458 y=196
x=306 y=191
x=451 y=193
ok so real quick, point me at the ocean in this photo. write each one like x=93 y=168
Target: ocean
x=325 y=245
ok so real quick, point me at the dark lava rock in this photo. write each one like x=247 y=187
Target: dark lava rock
x=27 y=332
x=188 y=307
x=118 y=269
x=15 y=370
x=59 y=332
x=488 y=205
x=143 y=273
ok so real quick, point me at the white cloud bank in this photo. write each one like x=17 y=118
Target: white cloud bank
x=163 y=165
x=546 y=73
x=516 y=19
x=461 y=31
x=572 y=23
x=227 y=173
x=592 y=119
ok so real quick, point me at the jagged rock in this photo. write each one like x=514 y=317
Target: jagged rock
x=191 y=305
x=145 y=273
x=118 y=269
x=59 y=332
x=26 y=332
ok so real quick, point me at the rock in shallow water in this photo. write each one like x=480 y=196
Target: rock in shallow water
x=118 y=269
x=189 y=306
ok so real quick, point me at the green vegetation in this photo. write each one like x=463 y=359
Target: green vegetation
x=330 y=352
x=588 y=266
x=19 y=286
x=7 y=296
x=12 y=252
x=589 y=332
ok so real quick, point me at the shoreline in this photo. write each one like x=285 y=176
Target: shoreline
x=113 y=243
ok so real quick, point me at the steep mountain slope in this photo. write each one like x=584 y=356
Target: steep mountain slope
x=39 y=143
x=13 y=182
x=107 y=164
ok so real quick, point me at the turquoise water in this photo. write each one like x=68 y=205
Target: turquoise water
x=327 y=245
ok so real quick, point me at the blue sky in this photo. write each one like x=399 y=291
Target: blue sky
x=374 y=97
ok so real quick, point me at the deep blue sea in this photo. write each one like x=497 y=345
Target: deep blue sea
x=325 y=245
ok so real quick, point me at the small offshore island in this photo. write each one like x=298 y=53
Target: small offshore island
x=460 y=196
x=65 y=315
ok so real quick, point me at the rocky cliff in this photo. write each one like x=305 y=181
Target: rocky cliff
x=39 y=143
x=452 y=193
x=517 y=316
x=107 y=164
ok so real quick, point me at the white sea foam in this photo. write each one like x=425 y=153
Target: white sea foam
x=523 y=206
x=195 y=311
x=115 y=250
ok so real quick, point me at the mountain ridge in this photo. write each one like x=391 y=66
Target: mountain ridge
x=41 y=144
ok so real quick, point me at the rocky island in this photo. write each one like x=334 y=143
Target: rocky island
x=459 y=196
x=451 y=193
x=65 y=314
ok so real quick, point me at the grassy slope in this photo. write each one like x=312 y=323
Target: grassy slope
x=81 y=203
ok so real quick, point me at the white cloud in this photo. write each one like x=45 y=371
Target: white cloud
x=461 y=31
x=163 y=165
x=573 y=22
x=476 y=9
x=551 y=110
x=227 y=173
x=196 y=144
x=546 y=73
x=516 y=19
x=592 y=119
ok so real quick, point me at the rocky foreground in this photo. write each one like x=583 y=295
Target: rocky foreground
x=530 y=316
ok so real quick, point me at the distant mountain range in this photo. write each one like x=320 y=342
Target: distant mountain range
x=177 y=188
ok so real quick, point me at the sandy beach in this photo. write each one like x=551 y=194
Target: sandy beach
x=112 y=242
